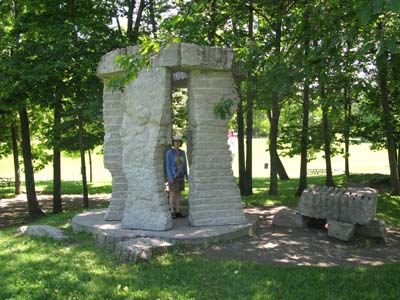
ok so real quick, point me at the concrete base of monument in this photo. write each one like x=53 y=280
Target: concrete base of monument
x=181 y=233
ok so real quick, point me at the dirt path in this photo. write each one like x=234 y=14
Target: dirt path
x=308 y=247
x=270 y=245
x=14 y=211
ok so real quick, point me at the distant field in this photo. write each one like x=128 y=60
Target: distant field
x=362 y=160
x=70 y=169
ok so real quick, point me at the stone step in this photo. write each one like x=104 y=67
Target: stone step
x=214 y=200
x=215 y=214
x=140 y=249
x=237 y=219
x=114 y=214
x=199 y=120
x=211 y=166
x=213 y=194
x=214 y=186
x=216 y=206
x=207 y=152
x=213 y=179
x=226 y=158
x=205 y=173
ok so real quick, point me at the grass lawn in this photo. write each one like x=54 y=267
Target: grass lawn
x=41 y=268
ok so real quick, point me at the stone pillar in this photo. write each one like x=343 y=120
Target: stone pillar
x=144 y=132
x=214 y=198
x=112 y=116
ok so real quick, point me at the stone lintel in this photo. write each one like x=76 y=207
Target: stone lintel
x=177 y=56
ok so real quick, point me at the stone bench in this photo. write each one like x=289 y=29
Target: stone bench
x=349 y=205
x=316 y=171
x=6 y=181
x=347 y=211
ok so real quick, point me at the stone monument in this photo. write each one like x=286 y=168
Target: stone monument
x=137 y=125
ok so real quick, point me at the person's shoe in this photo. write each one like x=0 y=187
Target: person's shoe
x=179 y=215
x=174 y=215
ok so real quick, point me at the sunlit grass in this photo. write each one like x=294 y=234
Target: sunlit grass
x=41 y=268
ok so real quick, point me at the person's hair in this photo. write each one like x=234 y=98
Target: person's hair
x=181 y=142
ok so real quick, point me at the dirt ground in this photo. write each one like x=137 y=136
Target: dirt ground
x=269 y=245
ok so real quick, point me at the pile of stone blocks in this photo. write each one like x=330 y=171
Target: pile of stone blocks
x=348 y=211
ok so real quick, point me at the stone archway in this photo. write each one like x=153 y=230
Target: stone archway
x=137 y=126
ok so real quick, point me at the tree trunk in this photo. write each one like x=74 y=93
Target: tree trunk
x=306 y=104
x=83 y=163
x=152 y=19
x=347 y=124
x=326 y=134
x=241 y=158
x=212 y=25
x=304 y=139
x=273 y=117
x=382 y=60
x=249 y=120
x=129 y=16
x=17 y=170
x=274 y=113
x=90 y=167
x=281 y=170
x=33 y=205
x=398 y=159
x=135 y=33
x=57 y=201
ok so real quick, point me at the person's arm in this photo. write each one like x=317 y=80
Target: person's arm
x=170 y=165
x=185 y=172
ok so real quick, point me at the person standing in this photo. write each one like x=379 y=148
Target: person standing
x=176 y=166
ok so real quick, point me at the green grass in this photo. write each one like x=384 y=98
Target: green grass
x=71 y=187
x=41 y=268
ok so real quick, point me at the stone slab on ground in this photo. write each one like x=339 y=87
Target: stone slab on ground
x=108 y=240
x=340 y=230
x=181 y=233
x=140 y=249
x=374 y=229
x=42 y=230
x=288 y=218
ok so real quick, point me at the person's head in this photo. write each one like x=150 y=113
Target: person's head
x=177 y=141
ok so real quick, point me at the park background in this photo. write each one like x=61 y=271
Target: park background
x=363 y=160
x=335 y=61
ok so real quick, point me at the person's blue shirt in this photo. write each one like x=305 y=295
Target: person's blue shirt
x=176 y=164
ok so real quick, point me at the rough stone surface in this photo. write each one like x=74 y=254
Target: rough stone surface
x=207 y=203
x=374 y=229
x=112 y=115
x=108 y=240
x=42 y=230
x=144 y=134
x=140 y=249
x=350 y=205
x=288 y=218
x=340 y=230
x=138 y=127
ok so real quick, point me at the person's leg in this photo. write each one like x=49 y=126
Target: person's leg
x=171 y=201
x=177 y=201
